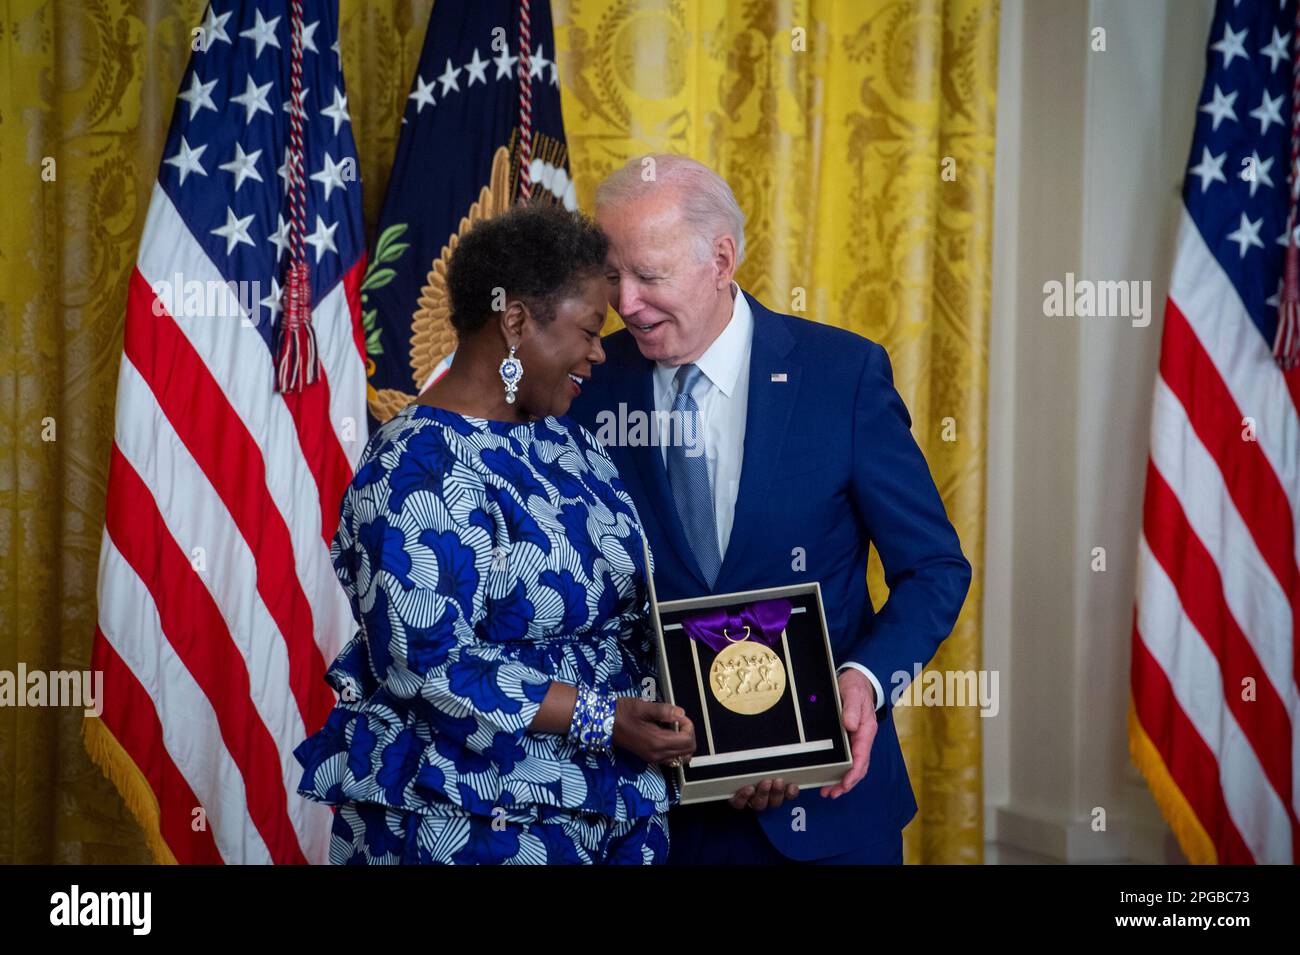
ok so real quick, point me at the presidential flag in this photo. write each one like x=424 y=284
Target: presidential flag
x=240 y=416
x=481 y=130
x=1212 y=723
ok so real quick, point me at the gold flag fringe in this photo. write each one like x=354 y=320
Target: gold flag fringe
x=107 y=753
x=1191 y=835
x=545 y=148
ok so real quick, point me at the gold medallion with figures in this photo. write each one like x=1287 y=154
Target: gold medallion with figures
x=747 y=677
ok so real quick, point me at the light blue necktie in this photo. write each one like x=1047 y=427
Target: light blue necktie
x=688 y=475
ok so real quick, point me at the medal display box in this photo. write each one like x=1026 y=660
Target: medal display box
x=755 y=674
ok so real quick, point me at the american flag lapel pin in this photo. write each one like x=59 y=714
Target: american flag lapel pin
x=778 y=376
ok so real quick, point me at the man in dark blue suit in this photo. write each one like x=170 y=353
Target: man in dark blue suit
x=797 y=456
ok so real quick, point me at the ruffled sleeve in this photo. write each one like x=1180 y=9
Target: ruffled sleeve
x=423 y=604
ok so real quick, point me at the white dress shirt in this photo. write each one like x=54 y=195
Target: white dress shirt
x=722 y=394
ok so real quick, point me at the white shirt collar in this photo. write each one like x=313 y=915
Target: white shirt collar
x=725 y=359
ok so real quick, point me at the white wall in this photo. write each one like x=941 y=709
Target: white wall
x=1091 y=151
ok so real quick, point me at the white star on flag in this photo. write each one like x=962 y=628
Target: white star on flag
x=263 y=34
x=308 y=43
x=1246 y=235
x=198 y=95
x=1210 y=168
x=214 y=29
x=288 y=102
x=1269 y=111
x=423 y=93
x=1275 y=298
x=448 y=79
x=235 y=231
x=329 y=175
x=243 y=166
x=272 y=301
x=477 y=69
x=505 y=65
x=1221 y=106
x=322 y=240
x=1275 y=51
x=1261 y=168
x=338 y=110
x=538 y=63
x=280 y=237
x=253 y=99
x=1232 y=45
x=187 y=160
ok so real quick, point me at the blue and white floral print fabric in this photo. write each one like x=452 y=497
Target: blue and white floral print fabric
x=366 y=834
x=483 y=560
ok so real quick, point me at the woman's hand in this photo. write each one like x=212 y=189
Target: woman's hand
x=646 y=729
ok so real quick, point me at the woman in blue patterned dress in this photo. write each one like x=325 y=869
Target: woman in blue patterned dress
x=494 y=564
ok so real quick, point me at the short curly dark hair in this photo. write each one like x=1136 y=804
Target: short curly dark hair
x=537 y=253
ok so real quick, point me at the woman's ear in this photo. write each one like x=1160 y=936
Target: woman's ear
x=513 y=321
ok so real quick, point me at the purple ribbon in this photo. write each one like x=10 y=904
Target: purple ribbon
x=719 y=628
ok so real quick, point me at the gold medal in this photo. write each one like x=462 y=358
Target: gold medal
x=747 y=677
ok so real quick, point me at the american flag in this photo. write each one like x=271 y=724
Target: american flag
x=218 y=605
x=1214 y=695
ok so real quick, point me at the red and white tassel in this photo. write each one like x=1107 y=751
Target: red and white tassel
x=297 y=362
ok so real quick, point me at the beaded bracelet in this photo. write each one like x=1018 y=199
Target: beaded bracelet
x=592 y=725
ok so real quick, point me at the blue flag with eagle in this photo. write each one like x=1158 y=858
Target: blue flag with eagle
x=482 y=129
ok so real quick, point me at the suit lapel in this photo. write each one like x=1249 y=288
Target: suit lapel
x=767 y=419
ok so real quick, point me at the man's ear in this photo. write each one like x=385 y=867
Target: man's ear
x=724 y=260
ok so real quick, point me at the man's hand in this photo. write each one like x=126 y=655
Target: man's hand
x=768 y=794
x=859 y=700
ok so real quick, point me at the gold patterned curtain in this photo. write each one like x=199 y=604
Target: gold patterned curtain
x=858 y=135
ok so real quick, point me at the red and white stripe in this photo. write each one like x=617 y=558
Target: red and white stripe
x=1218 y=611
x=218 y=605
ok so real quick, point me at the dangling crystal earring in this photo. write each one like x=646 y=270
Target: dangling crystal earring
x=512 y=369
